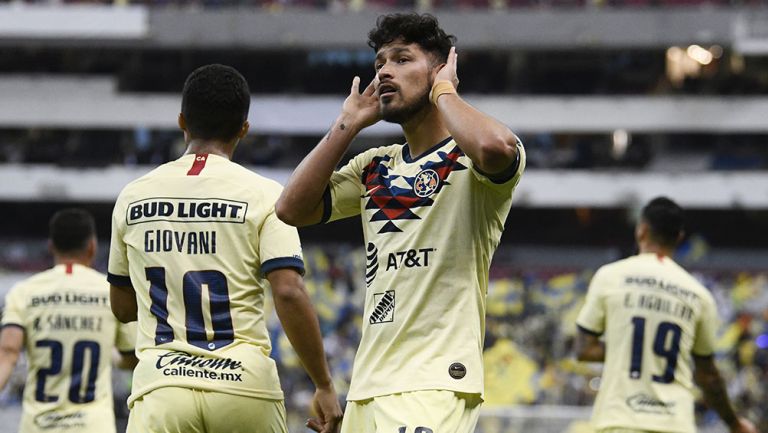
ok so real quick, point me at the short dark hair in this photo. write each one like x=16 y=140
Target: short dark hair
x=665 y=219
x=423 y=30
x=215 y=102
x=71 y=229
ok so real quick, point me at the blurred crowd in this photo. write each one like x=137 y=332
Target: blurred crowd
x=530 y=329
x=144 y=147
x=357 y=5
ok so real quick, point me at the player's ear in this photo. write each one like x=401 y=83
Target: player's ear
x=182 y=122
x=435 y=68
x=680 y=237
x=183 y=126
x=641 y=231
x=92 y=247
x=244 y=130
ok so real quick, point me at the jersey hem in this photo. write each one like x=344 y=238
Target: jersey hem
x=588 y=331
x=119 y=280
x=359 y=396
x=282 y=262
x=270 y=395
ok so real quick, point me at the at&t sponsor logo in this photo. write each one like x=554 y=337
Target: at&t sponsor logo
x=412 y=258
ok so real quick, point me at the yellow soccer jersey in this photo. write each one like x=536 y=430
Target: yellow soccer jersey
x=431 y=225
x=655 y=316
x=195 y=238
x=70 y=334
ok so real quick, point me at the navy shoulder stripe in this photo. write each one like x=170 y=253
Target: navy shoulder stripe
x=282 y=263
x=119 y=280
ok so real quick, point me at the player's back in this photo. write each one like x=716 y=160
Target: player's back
x=70 y=335
x=656 y=316
x=190 y=239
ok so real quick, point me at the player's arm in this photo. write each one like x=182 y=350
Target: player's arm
x=11 y=344
x=121 y=294
x=591 y=321
x=127 y=360
x=589 y=348
x=123 y=302
x=301 y=326
x=490 y=145
x=707 y=376
x=301 y=202
x=125 y=345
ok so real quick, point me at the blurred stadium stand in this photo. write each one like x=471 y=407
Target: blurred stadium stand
x=617 y=101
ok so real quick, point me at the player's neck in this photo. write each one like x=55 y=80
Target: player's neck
x=650 y=248
x=61 y=259
x=423 y=131
x=211 y=147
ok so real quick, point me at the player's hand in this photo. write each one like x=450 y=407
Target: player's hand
x=362 y=108
x=326 y=406
x=743 y=425
x=448 y=71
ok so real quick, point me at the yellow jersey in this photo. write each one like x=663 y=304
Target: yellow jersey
x=431 y=225
x=195 y=238
x=70 y=334
x=654 y=316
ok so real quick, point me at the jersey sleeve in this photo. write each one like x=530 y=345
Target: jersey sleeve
x=505 y=182
x=125 y=338
x=279 y=245
x=117 y=272
x=591 y=318
x=13 y=313
x=706 y=328
x=342 y=197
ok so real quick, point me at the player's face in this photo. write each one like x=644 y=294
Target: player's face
x=405 y=79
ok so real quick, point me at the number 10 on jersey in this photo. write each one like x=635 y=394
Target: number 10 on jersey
x=192 y=285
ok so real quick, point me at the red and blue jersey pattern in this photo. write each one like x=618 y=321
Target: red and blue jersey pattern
x=394 y=197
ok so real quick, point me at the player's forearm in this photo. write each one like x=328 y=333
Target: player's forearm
x=594 y=353
x=301 y=203
x=11 y=345
x=716 y=395
x=490 y=145
x=589 y=348
x=8 y=359
x=303 y=331
x=127 y=361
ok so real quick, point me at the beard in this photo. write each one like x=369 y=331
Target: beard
x=405 y=113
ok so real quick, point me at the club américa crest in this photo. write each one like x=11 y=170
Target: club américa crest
x=426 y=183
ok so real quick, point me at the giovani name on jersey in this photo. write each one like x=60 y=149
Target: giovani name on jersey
x=164 y=241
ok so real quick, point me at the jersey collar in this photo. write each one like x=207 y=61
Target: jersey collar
x=407 y=152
